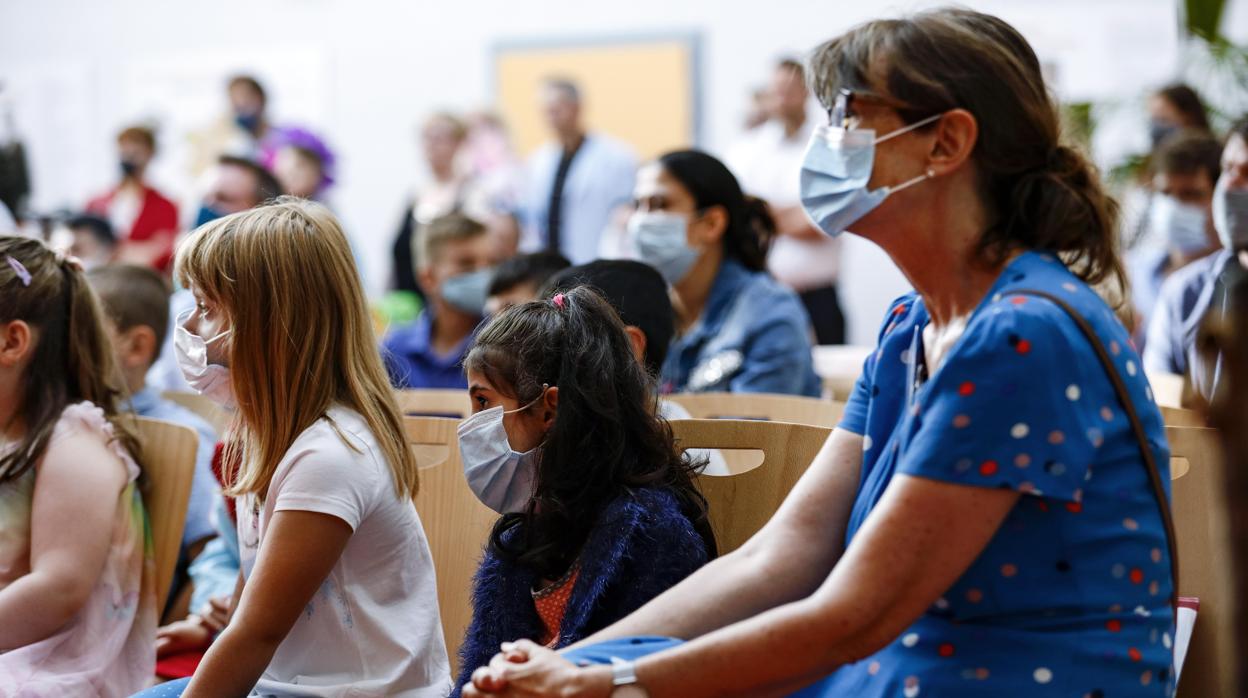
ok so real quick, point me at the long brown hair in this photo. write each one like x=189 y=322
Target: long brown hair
x=302 y=338
x=72 y=361
x=1043 y=195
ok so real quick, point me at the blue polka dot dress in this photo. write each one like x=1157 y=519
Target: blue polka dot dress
x=1071 y=596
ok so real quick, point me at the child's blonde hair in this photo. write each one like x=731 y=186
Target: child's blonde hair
x=72 y=361
x=302 y=337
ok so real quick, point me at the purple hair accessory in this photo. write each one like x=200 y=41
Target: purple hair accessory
x=19 y=269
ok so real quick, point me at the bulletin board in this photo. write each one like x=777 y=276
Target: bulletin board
x=641 y=90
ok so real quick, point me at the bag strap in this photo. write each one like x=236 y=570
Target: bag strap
x=1124 y=397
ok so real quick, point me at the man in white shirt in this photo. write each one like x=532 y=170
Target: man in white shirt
x=768 y=164
x=576 y=182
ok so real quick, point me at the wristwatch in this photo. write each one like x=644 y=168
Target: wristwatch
x=624 y=680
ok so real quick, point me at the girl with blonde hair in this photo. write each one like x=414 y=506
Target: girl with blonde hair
x=336 y=595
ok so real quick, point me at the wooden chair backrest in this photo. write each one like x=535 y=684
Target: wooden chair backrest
x=428 y=402
x=1180 y=417
x=1200 y=525
x=456 y=523
x=740 y=503
x=761 y=406
x=216 y=416
x=168 y=461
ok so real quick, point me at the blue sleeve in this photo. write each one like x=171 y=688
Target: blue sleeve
x=854 y=419
x=215 y=571
x=1018 y=403
x=778 y=355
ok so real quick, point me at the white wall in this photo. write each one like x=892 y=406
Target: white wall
x=365 y=71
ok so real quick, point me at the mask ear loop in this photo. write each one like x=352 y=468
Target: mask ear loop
x=907 y=129
x=545 y=387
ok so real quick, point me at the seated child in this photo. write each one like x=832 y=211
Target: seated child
x=77 y=602
x=518 y=280
x=602 y=512
x=136 y=316
x=455 y=255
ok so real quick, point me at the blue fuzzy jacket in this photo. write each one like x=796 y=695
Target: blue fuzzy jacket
x=641 y=546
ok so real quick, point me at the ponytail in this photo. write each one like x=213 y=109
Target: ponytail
x=1061 y=207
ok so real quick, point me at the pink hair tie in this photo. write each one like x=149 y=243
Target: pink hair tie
x=558 y=300
x=19 y=269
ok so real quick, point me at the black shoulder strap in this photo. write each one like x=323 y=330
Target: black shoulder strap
x=1124 y=397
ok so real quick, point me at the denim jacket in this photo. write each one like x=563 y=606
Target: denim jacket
x=753 y=337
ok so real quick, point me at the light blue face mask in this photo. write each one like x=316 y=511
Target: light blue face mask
x=1230 y=215
x=467 y=292
x=1182 y=226
x=662 y=241
x=837 y=168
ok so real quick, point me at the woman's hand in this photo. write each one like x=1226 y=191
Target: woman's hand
x=525 y=669
x=189 y=634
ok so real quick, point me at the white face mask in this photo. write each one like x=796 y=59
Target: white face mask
x=210 y=380
x=500 y=477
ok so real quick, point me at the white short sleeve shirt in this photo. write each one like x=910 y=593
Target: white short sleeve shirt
x=373 y=628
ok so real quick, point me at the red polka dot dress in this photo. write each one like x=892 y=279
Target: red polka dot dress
x=1071 y=596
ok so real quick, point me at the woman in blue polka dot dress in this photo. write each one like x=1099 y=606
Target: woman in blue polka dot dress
x=987 y=520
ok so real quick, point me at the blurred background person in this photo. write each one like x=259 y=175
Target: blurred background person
x=1185 y=169
x=1203 y=288
x=488 y=155
x=739 y=330
x=143 y=219
x=236 y=184
x=448 y=189
x=91 y=239
x=1174 y=108
x=518 y=279
x=767 y=162
x=577 y=182
x=302 y=164
x=455 y=260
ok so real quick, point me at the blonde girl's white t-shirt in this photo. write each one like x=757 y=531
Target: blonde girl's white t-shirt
x=372 y=629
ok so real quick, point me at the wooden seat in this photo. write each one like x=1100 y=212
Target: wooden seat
x=1200 y=525
x=774 y=408
x=434 y=403
x=740 y=503
x=838 y=366
x=168 y=462
x=456 y=523
x=1168 y=388
x=216 y=416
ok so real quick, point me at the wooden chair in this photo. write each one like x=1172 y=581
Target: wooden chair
x=1179 y=417
x=1168 y=388
x=838 y=366
x=426 y=402
x=168 y=461
x=740 y=503
x=456 y=523
x=761 y=406
x=216 y=416
x=1200 y=525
